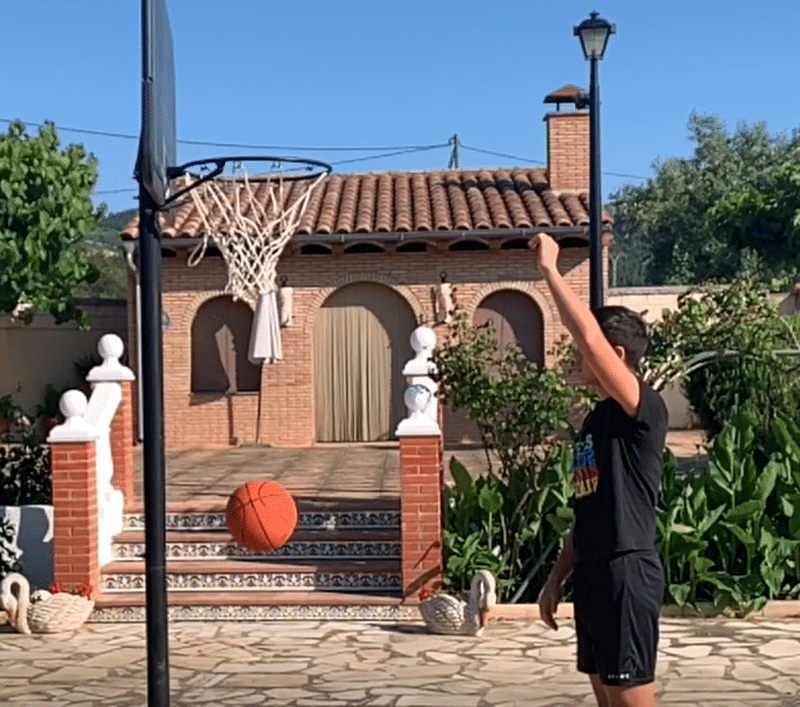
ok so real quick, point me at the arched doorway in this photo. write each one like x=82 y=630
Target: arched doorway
x=220 y=336
x=516 y=319
x=360 y=347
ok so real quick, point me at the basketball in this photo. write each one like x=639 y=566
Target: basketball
x=261 y=515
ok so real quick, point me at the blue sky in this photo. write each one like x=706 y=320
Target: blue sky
x=383 y=74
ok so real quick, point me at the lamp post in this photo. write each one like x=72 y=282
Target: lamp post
x=594 y=34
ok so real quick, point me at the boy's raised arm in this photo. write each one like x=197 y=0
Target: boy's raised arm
x=606 y=362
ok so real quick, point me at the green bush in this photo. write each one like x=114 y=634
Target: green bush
x=731 y=534
x=723 y=343
x=509 y=520
x=25 y=475
x=512 y=528
x=9 y=555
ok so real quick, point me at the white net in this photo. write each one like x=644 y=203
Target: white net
x=250 y=221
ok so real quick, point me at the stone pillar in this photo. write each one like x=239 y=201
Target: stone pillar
x=110 y=348
x=74 y=465
x=421 y=472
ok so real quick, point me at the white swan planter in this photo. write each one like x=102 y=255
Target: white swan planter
x=43 y=612
x=447 y=614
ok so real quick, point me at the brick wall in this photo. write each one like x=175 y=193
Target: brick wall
x=283 y=413
x=568 y=150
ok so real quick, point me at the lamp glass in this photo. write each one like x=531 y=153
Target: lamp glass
x=594 y=34
x=594 y=40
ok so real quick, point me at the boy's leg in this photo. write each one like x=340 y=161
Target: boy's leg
x=639 y=696
x=599 y=691
x=607 y=696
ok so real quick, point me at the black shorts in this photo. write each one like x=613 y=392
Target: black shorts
x=617 y=604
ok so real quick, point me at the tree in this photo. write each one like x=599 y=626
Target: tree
x=763 y=219
x=45 y=215
x=731 y=350
x=665 y=220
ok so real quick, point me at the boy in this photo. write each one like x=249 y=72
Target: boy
x=618 y=581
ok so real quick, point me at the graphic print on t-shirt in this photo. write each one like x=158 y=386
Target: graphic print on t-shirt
x=585 y=473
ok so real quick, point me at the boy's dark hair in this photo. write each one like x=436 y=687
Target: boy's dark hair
x=624 y=327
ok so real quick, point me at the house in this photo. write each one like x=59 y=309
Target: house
x=366 y=266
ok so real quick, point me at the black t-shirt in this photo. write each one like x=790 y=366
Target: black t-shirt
x=616 y=473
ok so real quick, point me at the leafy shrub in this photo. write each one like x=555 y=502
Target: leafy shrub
x=511 y=528
x=508 y=521
x=731 y=535
x=9 y=555
x=25 y=475
x=723 y=342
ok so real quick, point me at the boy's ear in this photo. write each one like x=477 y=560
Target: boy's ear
x=620 y=351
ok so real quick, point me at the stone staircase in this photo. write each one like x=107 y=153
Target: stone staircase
x=343 y=561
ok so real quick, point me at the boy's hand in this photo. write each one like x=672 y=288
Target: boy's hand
x=546 y=250
x=548 y=603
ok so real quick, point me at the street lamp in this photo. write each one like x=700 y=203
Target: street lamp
x=594 y=34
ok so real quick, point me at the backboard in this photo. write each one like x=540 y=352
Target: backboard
x=157 y=137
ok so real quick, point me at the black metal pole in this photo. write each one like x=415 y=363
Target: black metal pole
x=595 y=196
x=153 y=455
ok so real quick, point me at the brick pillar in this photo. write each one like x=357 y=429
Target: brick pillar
x=75 y=537
x=421 y=477
x=122 y=444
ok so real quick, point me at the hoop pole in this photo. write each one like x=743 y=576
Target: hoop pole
x=152 y=416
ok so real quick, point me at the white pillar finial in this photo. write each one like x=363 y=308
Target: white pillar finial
x=74 y=428
x=110 y=347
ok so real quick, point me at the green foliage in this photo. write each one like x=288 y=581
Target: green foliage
x=662 y=235
x=9 y=555
x=722 y=342
x=508 y=521
x=508 y=527
x=9 y=410
x=25 y=474
x=103 y=250
x=763 y=218
x=51 y=399
x=518 y=407
x=731 y=535
x=45 y=214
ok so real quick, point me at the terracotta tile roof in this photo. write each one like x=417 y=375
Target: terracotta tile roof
x=418 y=202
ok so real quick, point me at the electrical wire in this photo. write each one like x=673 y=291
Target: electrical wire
x=396 y=150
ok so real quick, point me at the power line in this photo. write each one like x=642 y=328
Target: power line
x=395 y=149
x=501 y=154
x=209 y=143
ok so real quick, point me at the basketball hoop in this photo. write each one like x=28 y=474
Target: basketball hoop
x=250 y=219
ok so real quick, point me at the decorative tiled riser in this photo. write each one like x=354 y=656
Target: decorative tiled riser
x=350 y=549
x=309 y=581
x=136 y=614
x=335 y=520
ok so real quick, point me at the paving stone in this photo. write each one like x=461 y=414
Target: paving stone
x=750 y=671
x=780 y=647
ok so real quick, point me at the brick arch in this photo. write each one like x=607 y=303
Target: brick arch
x=323 y=293
x=189 y=312
x=549 y=316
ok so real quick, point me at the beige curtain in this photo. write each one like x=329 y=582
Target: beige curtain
x=361 y=343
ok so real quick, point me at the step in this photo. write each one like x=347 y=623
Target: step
x=343 y=561
x=304 y=544
x=236 y=605
x=364 y=515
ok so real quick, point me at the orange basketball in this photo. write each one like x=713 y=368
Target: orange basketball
x=261 y=515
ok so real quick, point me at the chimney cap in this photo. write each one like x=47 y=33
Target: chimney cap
x=565 y=94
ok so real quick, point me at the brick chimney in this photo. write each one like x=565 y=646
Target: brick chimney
x=567 y=142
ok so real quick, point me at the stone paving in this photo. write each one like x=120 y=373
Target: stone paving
x=708 y=662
